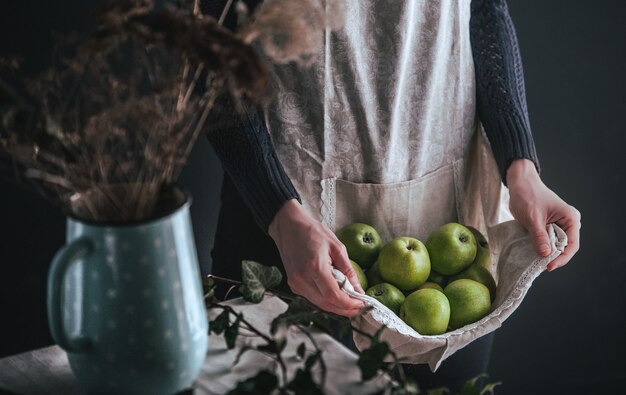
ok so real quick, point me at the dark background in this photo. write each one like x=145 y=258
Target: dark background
x=567 y=336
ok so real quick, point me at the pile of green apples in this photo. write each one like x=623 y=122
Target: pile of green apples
x=435 y=287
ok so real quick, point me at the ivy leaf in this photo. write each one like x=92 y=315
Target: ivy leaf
x=208 y=288
x=300 y=312
x=303 y=384
x=489 y=388
x=301 y=350
x=231 y=333
x=371 y=359
x=256 y=279
x=264 y=383
x=411 y=387
x=273 y=347
x=220 y=323
x=310 y=361
x=472 y=387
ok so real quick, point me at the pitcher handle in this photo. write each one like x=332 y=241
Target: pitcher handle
x=67 y=255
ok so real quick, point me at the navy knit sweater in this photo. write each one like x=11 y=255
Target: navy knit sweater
x=245 y=149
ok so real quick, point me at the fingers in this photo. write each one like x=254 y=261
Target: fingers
x=322 y=290
x=335 y=297
x=539 y=235
x=571 y=225
x=340 y=259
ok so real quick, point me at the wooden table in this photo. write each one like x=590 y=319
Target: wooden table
x=46 y=371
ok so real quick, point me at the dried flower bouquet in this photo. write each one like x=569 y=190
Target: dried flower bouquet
x=113 y=121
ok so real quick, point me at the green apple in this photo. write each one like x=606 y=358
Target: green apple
x=452 y=248
x=478 y=273
x=362 y=243
x=404 y=262
x=430 y=285
x=427 y=311
x=373 y=275
x=388 y=295
x=360 y=274
x=482 y=249
x=437 y=278
x=469 y=302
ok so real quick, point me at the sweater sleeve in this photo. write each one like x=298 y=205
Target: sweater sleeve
x=242 y=142
x=501 y=97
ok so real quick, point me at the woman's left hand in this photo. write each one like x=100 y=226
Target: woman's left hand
x=534 y=205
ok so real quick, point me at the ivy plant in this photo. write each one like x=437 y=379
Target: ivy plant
x=257 y=281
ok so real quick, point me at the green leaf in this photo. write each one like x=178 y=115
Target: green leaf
x=264 y=383
x=220 y=323
x=300 y=312
x=411 y=387
x=471 y=386
x=489 y=388
x=301 y=350
x=231 y=333
x=272 y=347
x=256 y=279
x=310 y=361
x=303 y=384
x=208 y=288
x=371 y=359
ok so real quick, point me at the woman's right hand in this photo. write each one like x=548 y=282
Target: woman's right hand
x=309 y=251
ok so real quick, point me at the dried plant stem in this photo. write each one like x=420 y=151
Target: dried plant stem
x=210 y=99
x=225 y=12
x=192 y=84
x=181 y=94
x=196 y=7
x=49 y=178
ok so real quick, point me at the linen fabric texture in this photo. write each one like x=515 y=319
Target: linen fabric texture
x=361 y=116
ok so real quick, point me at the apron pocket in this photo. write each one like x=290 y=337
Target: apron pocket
x=412 y=208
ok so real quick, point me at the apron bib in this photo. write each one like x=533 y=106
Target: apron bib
x=390 y=100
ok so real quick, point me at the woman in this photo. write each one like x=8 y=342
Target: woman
x=395 y=96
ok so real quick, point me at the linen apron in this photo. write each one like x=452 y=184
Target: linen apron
x=382 y=129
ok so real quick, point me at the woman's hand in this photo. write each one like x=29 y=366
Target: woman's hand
x=534 y=205
x=309 y=250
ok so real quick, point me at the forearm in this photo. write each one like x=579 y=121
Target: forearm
x=243 y=144
x=500 y=90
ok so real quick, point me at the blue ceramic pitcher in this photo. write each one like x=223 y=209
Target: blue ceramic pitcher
x=125 y=302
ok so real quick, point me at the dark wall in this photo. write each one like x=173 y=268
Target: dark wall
x=568 y=335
